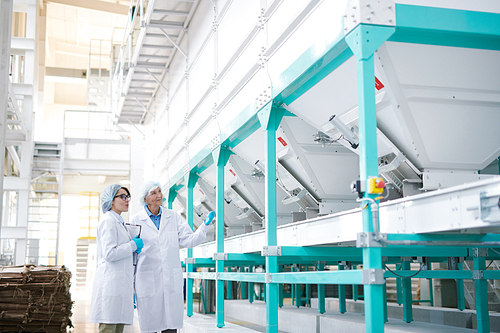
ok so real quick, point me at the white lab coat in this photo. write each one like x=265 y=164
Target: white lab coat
x=112 y=298
x=158 y=278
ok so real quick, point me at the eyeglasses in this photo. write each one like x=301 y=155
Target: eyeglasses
x=124 y=197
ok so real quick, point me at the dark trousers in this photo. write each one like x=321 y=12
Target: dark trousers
x=169 y=331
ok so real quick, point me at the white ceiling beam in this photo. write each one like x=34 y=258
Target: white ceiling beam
x=101 y=6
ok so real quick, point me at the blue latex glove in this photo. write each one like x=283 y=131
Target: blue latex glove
x=139 y=243
x=209 y=218
x=135 y=304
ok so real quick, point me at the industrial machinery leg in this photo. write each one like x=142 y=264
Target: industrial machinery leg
x=220 y=156
x=321 y=292
x=342 y=301
x=190 y=179
x=407 y=295
x=481 y=291
x=460 y=291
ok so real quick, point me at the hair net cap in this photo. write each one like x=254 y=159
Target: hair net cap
x=108 y=195
x=144 y=189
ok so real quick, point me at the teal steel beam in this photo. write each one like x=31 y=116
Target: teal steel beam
x=321 y=292
x=449 y=238
x=342 y=300
x=319 y=277
x=407 y=295
x=355 y=254
x=434 y=274
x=447 y=27
x=200 y=262
x=270 y=118
x=202 y=275
x=220 y=156
x=190 y=179
x=171 y=195
x=481 y=293
x=364 y=40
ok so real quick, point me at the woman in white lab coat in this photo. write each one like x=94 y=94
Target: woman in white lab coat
x=158 y=277
x=112 y=299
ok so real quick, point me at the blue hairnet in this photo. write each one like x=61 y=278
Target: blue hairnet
x=108 y=195
x=144 y=189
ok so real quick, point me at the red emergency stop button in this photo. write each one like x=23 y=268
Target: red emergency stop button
x=380 y=184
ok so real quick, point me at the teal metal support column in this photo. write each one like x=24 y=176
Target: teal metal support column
x=220 y=156
x=251 y=291
x=308 y=297
x=280 y=295
x=229 y=289
x=280 y=289
x=407 y=296
x=431 y=293
x=342 y=302
x=251 y=288
x=481 y=291
x=355 y=294
x=321 y=292
x=460 y=291
x=364 y=40
x=399 y=287
x=385 y=303
x=190 y=179
x=243 y=288
x=270 y=118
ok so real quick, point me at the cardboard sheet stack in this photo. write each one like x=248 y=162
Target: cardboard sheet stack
x=35 y=299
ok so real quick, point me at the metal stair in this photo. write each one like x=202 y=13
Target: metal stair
x=469 y=290
x=45 y=203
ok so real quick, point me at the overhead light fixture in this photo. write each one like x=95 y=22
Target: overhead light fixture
x=347 y=132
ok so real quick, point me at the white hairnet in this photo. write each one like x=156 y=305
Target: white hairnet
x=108 y=195
x=145 y=188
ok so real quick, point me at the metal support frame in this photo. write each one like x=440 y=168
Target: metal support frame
x=321 y=292
x=364 y=48
x=270 y=118
x=190 y=179
x=342 y=298
x=364 y=41
x=407 y=296
x=220 y=156
x=481 y=292
x=460 y=291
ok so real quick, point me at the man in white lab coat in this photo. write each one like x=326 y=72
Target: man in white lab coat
x=111 y=304
x=158 y=277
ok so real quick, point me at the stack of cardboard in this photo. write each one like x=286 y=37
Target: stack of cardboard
x=35 y=299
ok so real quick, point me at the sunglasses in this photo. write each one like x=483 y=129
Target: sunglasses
x=124 y=197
